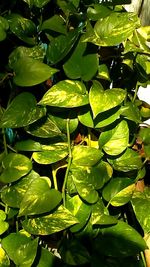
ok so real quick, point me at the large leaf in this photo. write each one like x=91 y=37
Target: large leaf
x=115 y=28
x=67 y=94
x=51 y=153
x=132 y=112
x=44 y=128
x=29 y=72
x=14 y=167
x=77 y=65
x=4 y=260
x=99 y=215
x=13 y=195
x=86 y=183
x=47 y=258
x=60 y=46
x=59 y=220
x=21 y=112
x=97 y=11
x=55 y=23
x=36 y=52
x=115 y=141
x=80 y=210
x=86 y=156
x=123 y=241
x=118 y=191
x=140 y=203
x=3 y=28
x=20 y=248
x=3 y=225
x=105 y=100
x=23 y=28
x=129 y=160
x=39 y=198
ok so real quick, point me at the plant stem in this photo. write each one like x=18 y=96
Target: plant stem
x=54 y=177
x=143 y=259
x=69 y=164
x=135 y=94
x=4 y=142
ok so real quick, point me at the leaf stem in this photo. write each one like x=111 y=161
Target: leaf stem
x=135 y=93
x=69 y=164
x=143 y=258
x=4 y=142
x=54 y=177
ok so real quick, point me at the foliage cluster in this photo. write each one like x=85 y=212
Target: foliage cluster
x=72 y=153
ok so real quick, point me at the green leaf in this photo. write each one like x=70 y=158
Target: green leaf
x=40 y=3
x=97 y=11
x=28 y=145
x=74 y=253
x=140 y=203
x=20 y=248
x=76 y=66
x=115 y=141
x=36 y=52
x=67 y=94
x=29 y=72
x=118 y=191
x=55 y=23
x=115 y=28
x=144 y=135
x=4 y=26
x=103 y=72
x=14 y=167
x=44 y=128
x=85 y=116
x=129 y=160
x=13 y=195
x=4 y=260
x=59 y=220
x=85 y=184
x=132 y=112
x=22 y=111
x=80 y=210
x=86 y=156
x=51 y=153
x=39 y=198
x=60 y=46
x=123 y=241
x=23 y=28
x=111 y=98
x=99 y=215
x=47 y=258
x=3 y=225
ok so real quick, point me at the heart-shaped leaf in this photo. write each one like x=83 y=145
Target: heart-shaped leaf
x=20 y=248
x=105 y=100
x=29 y=72
x=81 y=61
x=57 y=221
x=118 y=191
x=115 y=141
x=67 y=94
x=14 y=167
x=86 y=156
x=39 y=198
x=22 y=111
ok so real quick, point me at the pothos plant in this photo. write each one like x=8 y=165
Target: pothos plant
x=73 y=157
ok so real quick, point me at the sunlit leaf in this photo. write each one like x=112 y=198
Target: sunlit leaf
x=115 y=141
x=20 y=248
x=118 y=191
x=66 y=94
x=4 y=260
x=39 y=198
x=29 y=72
x=22 y=111
x=14 y=167
x=45 y=225
x=86 y=156
x=105 y=100
x=129 y=160
x=3 y=225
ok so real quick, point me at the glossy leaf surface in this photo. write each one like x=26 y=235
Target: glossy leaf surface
x=57 y=221
x=67 y=94
x=15 y=166
x=4 y=260
x=3 y=225
x=86 y=156
x=22 y=111
x=115 y=141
